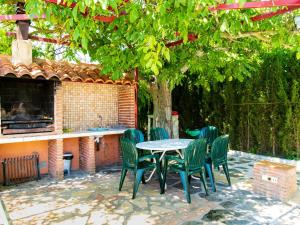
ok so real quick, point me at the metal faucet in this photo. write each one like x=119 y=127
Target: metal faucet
x=100 y=121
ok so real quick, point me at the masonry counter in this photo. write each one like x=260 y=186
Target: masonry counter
x=90 y=149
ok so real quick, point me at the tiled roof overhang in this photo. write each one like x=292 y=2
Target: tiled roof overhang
x=59 y=71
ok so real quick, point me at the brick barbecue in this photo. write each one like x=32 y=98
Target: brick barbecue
x=71 y=97
x=274 y=180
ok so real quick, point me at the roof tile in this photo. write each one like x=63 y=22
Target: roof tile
x=63 y=71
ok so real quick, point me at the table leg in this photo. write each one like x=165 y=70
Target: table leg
x=160 y=159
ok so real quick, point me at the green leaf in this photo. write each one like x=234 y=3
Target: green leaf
x=166 y=53
x=154 y=69
x=74 y=12
x=84 y=43
x=133 y=15
x=224 y=26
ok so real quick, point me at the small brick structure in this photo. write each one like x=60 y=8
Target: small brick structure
x=274 y=180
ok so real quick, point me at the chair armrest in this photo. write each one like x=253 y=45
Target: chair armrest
x=175 y=158
x=143 y=158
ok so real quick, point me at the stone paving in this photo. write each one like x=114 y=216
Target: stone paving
x=85 y=199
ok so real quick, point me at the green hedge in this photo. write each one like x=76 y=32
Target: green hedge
x=261 y=114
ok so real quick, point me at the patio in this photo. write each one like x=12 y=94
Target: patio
x=95 y=199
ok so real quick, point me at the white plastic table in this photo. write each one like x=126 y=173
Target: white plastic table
x=164 y=146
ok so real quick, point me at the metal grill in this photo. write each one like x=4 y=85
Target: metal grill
x=20 y=169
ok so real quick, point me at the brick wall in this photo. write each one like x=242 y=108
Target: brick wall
x=55 y=158
x=84 y=102
x=126 y=105
x=274 y=180
x=109 y=151
x=87 y=154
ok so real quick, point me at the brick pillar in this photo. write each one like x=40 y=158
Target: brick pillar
x=126 y=105
x=58 y=107
x=87 y=154
x=55 y=158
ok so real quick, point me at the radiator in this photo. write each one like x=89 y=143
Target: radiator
x=20 y=169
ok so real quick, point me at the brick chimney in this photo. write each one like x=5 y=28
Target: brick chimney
x=22 y=47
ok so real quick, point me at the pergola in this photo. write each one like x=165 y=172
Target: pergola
x=282 y=6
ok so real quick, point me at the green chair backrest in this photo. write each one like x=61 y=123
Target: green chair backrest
x=129 y=152
x=134 y=135
x=194 y=155
x=158 y=133
x=219 y=150
x=210 y=133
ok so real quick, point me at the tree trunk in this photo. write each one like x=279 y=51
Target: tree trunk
x=162 y=105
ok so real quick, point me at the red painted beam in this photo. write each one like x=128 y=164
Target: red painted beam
x=105 y=19
x=19 y=17
x=191 y=37
x=253 y=5
x=48 y=40
x=271 y=14
x=61 y=3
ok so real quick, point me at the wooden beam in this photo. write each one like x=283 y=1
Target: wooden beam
x=254 y=5
x=42 y=39
x=19 y=17
x=191 y=37
x=271 y=14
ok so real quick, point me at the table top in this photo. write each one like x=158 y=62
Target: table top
x=164 y=145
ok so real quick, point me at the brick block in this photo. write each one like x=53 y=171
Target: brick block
x=274 y=180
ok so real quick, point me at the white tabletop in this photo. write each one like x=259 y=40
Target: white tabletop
x=164 y=145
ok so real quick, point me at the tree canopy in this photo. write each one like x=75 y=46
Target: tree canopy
x=227 y=47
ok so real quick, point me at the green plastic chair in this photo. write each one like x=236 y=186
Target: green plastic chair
x=138 y=165
x=193 y=162
x=210 y=133
x=158 y=133
x=218 y=157
x=134 y=135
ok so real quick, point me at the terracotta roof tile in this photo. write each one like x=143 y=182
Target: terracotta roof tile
x=55 y=70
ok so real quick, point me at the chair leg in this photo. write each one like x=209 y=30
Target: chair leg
x=226 y=171
x=202 y=176
x=208 y=168
x=143 y=179
x=160 y=178
x=123 y=175
x=186 y=185
x=137 y=180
